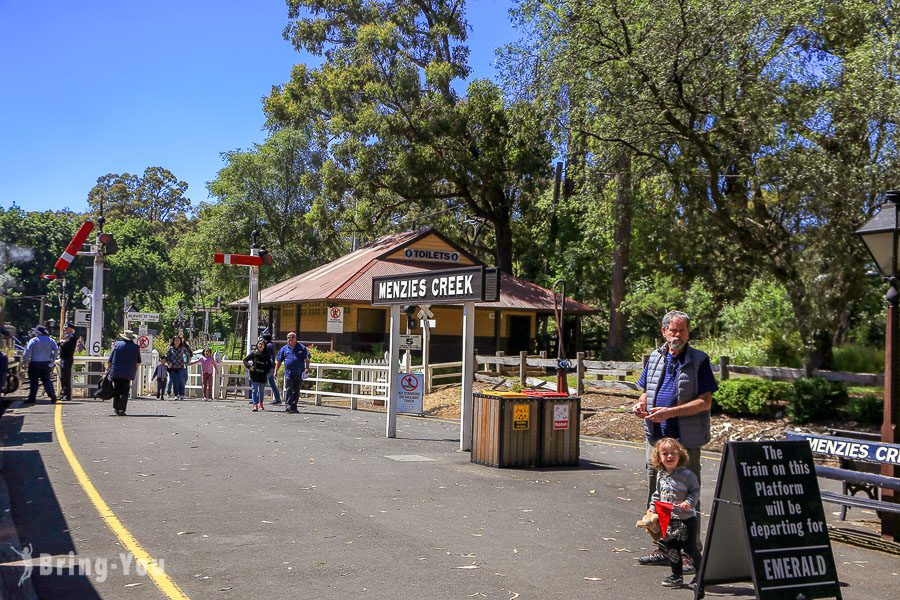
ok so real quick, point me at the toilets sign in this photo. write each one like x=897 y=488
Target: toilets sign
x=451 y=286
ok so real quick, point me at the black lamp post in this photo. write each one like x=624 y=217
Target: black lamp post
x=882 y=238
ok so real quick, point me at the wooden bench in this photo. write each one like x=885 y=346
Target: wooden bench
x=871 y=453
x=852 y=464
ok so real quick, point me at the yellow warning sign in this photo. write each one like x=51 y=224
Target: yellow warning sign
x=521 y=416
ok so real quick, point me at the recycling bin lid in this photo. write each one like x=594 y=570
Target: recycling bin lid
x=546 y=394
x=505 y=394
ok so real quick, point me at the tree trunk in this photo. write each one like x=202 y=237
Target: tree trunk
x=623 y=209
x=503 y=254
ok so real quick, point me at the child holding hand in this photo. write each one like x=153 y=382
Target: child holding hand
x=679 y=486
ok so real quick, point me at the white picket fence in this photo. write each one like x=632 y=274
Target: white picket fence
x=366 y=381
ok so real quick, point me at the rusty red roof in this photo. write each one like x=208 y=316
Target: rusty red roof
x=349 y=279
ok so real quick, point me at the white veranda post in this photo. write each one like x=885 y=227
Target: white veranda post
x=468 y=375
x=393 y=379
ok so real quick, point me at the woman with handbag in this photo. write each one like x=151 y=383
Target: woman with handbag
x=258 y=362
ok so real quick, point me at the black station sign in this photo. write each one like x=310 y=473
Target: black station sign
x=450 y=286
x=767 y=524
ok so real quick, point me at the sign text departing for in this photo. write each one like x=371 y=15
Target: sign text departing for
x=436 y=287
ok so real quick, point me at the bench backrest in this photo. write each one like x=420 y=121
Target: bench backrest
x=848 y=448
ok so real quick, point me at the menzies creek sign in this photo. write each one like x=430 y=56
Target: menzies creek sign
x=450 y=286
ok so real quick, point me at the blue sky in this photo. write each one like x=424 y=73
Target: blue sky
x=103 y=86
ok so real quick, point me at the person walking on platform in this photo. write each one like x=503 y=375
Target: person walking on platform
x=123 y=362
x=258 y=363
x=209 y=366
x=40 y=353
x=161 y=376
x=66 y=359
x=295 y=358
x=177 y=357
x=273 y=383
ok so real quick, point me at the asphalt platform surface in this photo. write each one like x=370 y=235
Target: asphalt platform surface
x=322 y=505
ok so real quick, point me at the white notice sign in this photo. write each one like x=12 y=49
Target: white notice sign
x=335 y=319
x=560 y=416
x=143 y=316
x=145 y=343
x=410 y=342
x=82 y=317
x=410 y=392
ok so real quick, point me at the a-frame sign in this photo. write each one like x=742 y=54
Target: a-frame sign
x=767 y=524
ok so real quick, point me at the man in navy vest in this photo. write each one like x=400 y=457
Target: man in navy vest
x=678 y=386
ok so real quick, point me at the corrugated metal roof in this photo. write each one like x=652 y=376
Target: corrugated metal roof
x=349 y=279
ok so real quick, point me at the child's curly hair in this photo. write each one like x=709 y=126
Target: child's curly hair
x=667 y=441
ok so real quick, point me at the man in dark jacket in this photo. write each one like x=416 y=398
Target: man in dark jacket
x=270 y=376
x=123 y=362
x=66 y=358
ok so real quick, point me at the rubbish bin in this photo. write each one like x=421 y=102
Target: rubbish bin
x=560 y=430
x=505 y=429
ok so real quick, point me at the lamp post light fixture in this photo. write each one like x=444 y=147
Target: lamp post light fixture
x=881 y=235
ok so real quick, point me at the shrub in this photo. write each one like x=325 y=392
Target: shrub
x=858 y=359
x=748 y=397
x=815 y=398
x=331 y=357
x=867 y=410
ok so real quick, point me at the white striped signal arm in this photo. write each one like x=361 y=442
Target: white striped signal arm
x=74 y=246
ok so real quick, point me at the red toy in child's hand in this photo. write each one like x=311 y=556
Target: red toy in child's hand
x=664 y=510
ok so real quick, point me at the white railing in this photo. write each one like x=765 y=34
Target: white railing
x=367 y=381
x=87 y=370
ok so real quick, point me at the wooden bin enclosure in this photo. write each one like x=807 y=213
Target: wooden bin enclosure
x=560 y=426
x=505 y=429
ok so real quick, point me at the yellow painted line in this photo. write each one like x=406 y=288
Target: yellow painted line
x=605 y=442
x=159 y=577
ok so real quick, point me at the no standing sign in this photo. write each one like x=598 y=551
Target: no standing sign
x=409 y=393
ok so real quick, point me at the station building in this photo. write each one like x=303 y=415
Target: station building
x=512 y=324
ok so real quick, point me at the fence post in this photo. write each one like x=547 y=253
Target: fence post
x=579 y=373
x=523 y=367
x=723 y=367
x=644 y=359
x=318 y=386
x=498 y=366
x=353 y=388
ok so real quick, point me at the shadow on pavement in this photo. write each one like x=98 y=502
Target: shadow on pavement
x=41 y=526
x=134 y=416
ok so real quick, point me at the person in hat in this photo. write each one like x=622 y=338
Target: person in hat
x=123 y=362
x=66 y=358
x=39 y=356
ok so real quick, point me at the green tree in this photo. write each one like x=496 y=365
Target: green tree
x=400 y=135
x=30 y=244
x=275 y=188
x=140 y=270
x=775 y=124
x=157 y=196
